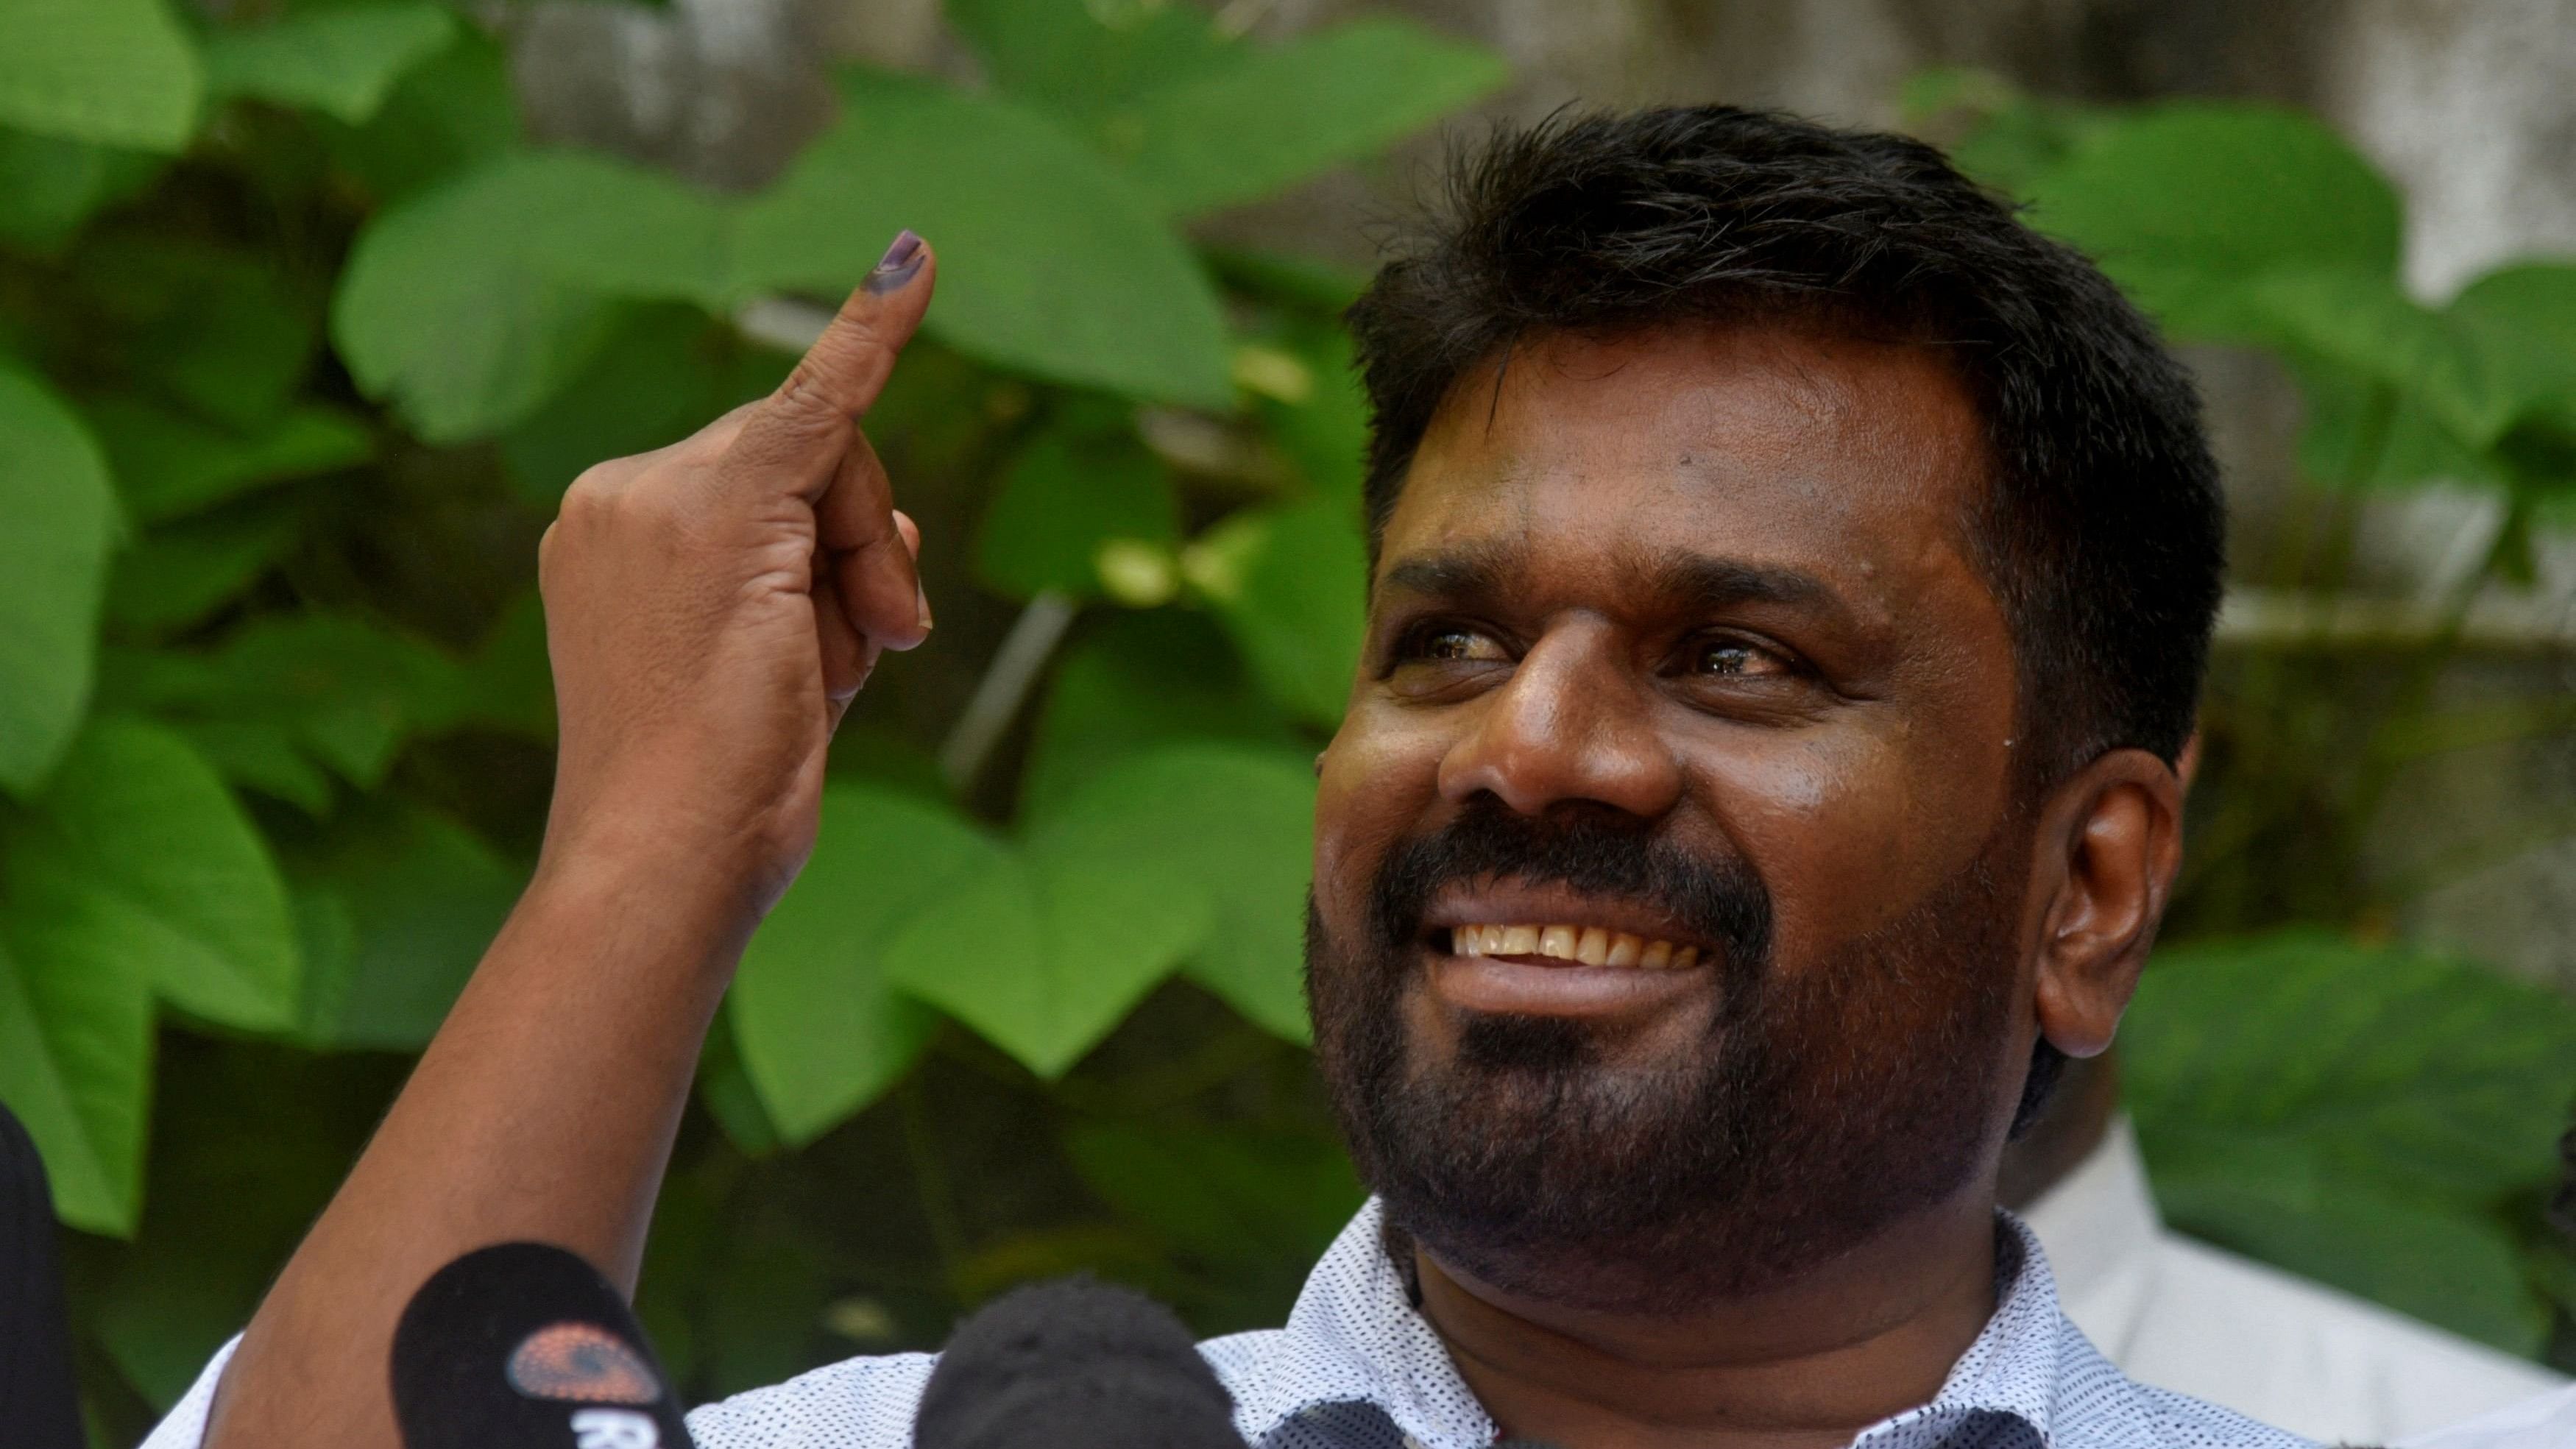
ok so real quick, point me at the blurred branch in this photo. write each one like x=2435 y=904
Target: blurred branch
x=1004 y=687
x=2271 y=619
x=781 y=322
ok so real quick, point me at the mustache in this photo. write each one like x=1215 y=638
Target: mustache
x=1588 y=847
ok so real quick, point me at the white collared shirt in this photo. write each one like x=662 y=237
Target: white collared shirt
x=2184 y=1315
x=1356 y=1367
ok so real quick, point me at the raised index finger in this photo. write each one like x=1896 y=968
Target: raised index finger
x=800 y=432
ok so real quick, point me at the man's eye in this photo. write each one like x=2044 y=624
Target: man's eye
x=1733 y=657
x=1445 y=643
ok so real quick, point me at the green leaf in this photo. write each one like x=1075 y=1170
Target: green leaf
x=136 y=860
x=76 y=1066
x=2365 y=326
x=120 y=72
x=821 y=1030
x=172 y=577
x=1291 y=585
x=441 y=117
x=725 y=1089
x=50 y=187
x=509 y=684
x=226 y=334
x=2391 y=1062
x=258 y=755
x=1229 y=826
x=2181 y=203
x=2263 y=1196
x=1327 y=433
x=472 y=304
x=2523 y=317
x=1223 y=1195
x=1063 y=498
x=1050 y=946
x=1044 y=952
x=2360 y=433
x=1286 y=112
x=1082 y=60
x=1134 y=681
x=53 y=566
x=2358 y=1113
x=347 y=692
x=399 y=904
x=1051 y=263
x=228 y=1205
x=665 y=371
x=168 y=465
x=341 y=61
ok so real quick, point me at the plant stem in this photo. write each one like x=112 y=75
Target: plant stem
x=1005 y=686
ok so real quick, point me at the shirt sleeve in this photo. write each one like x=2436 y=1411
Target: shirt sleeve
x=184 y=1427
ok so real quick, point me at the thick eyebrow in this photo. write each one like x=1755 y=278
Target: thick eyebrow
x=1474 y=571
x=1699 y=580
x=1718 y=583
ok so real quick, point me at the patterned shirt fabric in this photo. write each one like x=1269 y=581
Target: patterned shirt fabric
x=1357 y=1367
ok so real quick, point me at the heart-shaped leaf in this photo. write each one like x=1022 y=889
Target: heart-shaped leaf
x=136 y=860
x=53 y=570
x=341 y=62
x=821 y=1028
x=76 y=1066
x=1280 y=114
x=1051 y=262
x=1231 y=825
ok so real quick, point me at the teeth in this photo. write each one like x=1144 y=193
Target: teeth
x=1588 y=945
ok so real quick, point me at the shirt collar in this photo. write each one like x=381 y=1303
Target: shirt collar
x=1355 y=1335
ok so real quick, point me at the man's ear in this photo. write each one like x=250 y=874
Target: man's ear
x=2113 y=834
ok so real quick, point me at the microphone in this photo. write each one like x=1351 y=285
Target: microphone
x=526 y=1346
x=1074 y=1364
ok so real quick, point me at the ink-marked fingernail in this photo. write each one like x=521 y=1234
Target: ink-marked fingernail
x=921 y=600
x=899 y=264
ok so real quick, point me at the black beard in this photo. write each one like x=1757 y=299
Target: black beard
x=1827 y=1104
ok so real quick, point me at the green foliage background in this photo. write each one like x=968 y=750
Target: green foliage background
x=300 y=338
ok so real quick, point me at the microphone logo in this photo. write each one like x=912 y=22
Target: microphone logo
x=583 y=1363
x=614 y=1429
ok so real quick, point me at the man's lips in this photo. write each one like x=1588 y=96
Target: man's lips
x=1551 y=951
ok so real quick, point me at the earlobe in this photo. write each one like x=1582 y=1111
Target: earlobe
x=2119 y=826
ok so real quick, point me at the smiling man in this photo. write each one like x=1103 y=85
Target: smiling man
x=1793 y=579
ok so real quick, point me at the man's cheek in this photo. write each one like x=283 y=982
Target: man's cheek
x=1838 y=844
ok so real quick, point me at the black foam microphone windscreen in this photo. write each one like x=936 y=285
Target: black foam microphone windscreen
x=1074 y=1364
x=38 y=1405
x=526 y=1346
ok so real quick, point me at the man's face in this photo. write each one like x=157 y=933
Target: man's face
x=1677 y=664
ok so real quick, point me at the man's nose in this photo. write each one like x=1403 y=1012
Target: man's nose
x=1575 y=722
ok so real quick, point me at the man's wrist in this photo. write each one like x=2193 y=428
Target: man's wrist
x=657 y=898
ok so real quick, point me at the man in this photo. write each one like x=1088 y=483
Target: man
x=2182 y=1314
x=1792 y=584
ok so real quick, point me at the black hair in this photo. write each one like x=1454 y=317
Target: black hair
x=2102 y=534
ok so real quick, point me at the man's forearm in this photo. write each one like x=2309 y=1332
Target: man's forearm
x=545 y=1109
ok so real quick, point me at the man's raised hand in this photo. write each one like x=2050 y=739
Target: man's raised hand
x=712 y=606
